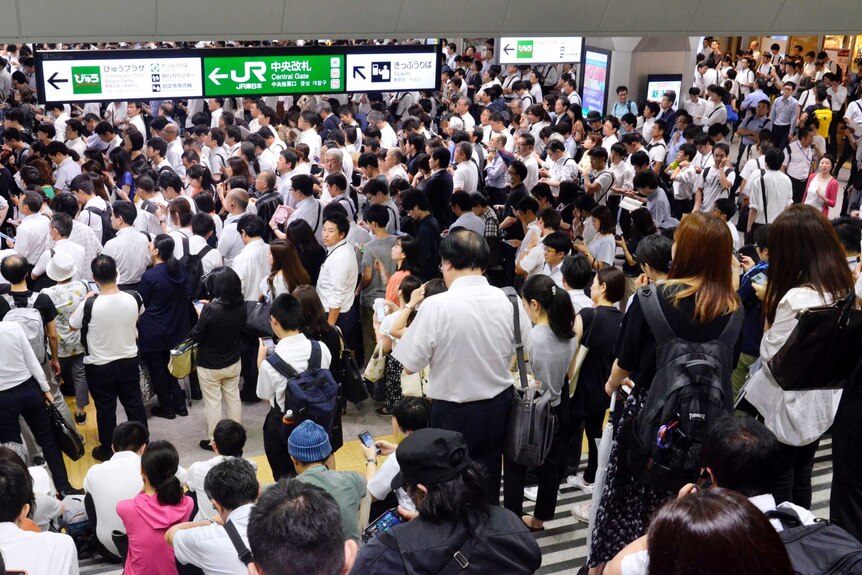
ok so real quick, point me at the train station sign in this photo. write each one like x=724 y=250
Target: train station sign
x=90 y=76
x=540 y=50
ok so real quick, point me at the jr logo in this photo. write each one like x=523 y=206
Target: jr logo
x=525 y=49
x=256 y=68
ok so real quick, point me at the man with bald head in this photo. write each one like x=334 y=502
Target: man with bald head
x=230 y=242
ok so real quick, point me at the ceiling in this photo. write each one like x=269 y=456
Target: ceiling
x=132 y=20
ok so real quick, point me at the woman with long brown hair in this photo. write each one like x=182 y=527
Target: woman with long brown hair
x=807 y=268
x=698 y=300
x=287 y=272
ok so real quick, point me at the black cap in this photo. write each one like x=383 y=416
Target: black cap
x=594 y=116
x=430 y=456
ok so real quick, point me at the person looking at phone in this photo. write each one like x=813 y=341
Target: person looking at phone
x=410 y=415
x=447 y=488
x=309 y=449
x=232 y=488
x=752 y=325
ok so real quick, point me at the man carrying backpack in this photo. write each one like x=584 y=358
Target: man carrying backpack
x=295 y=350
x=35 y=312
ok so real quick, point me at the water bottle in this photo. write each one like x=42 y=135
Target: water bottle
x=287 y=418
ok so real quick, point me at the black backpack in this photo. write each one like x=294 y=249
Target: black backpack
x=312 y=394
x=820 y=549
x=88 y=315
x=194 y=266
x=689 y=393
x=108 y=231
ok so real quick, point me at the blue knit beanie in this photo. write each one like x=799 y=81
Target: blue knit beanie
x=309 y=442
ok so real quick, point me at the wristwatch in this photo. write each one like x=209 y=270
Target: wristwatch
x=367 y=461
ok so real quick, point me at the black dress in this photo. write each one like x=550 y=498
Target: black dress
x=627 y=506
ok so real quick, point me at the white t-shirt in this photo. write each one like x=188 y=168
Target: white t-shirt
x=380 y=485
x=466 y=177
x=37 y=553
x=113 y=331
x=210 y=547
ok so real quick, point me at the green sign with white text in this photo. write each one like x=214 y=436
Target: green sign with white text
x=238 y=75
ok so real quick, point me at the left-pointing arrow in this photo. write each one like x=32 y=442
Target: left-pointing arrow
x=54 y=80
x=215 y=76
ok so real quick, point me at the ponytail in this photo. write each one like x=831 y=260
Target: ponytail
x=556 y=303
x=159 y=463
x=164 y=245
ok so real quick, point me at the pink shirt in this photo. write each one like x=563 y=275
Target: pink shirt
x=146 y=522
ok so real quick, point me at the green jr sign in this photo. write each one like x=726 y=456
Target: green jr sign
x=238 y=75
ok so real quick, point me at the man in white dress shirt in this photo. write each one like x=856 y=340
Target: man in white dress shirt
x=130 y=248
x=60 y=228
x=339 y=275
x=24 y=551
x=230 y=242
x=308 y=207
x=252 y=266
x=136 y=116
x=31 y=238
x=82 y=234
x=233 y=487
x=67 y=168
x=74 y=139
x=466 y=335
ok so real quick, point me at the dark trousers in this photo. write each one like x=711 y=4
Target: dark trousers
x=115 y=380
x=794 y=474
x=749 y=236
x=798 y=189
x=348 y=323
x=171 y=396
x=27 y=400
x=591 y=425
x=681 y=207
x=845 y=502
x=275 y=446
x=248 y=368
x=483 y=425
x=832 y=147
x=781 y=136
x=743 y=153
x=549 y=476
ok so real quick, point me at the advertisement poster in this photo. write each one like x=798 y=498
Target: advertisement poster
x=658 y=85
x=595 y=80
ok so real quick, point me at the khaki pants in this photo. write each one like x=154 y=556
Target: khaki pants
x=220 y=386
x=740 y=374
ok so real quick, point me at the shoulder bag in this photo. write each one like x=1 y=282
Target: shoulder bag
x=68 y=439
x=531 y=422
x=822 y=350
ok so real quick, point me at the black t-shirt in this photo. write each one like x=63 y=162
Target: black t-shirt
x=515 y=232
x=636 y=346
x=600 y=333
x=43 y=303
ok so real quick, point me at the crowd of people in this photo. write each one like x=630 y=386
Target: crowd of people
x=387 y=224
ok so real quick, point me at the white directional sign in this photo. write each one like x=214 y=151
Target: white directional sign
x=548 y=50
x=83 y=80
x=391 y=72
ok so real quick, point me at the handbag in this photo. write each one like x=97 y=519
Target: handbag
x=257 y=319
x=68 y=439
x=822 y=350
x=531 y=421
x=182 y=360
x=376 y=364
x=413 y=385
x=580 y=356
x=146 y=382
x=352 y=385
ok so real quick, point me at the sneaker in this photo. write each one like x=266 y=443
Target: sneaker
x=581 y=512
x=577 y=481
x=80 y=418
x=531 y=493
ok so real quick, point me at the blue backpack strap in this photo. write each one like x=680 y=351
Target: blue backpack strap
x=315 y=359
x=650 y=303
x=281 y=366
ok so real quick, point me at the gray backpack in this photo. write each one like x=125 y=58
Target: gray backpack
x=30 y=319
